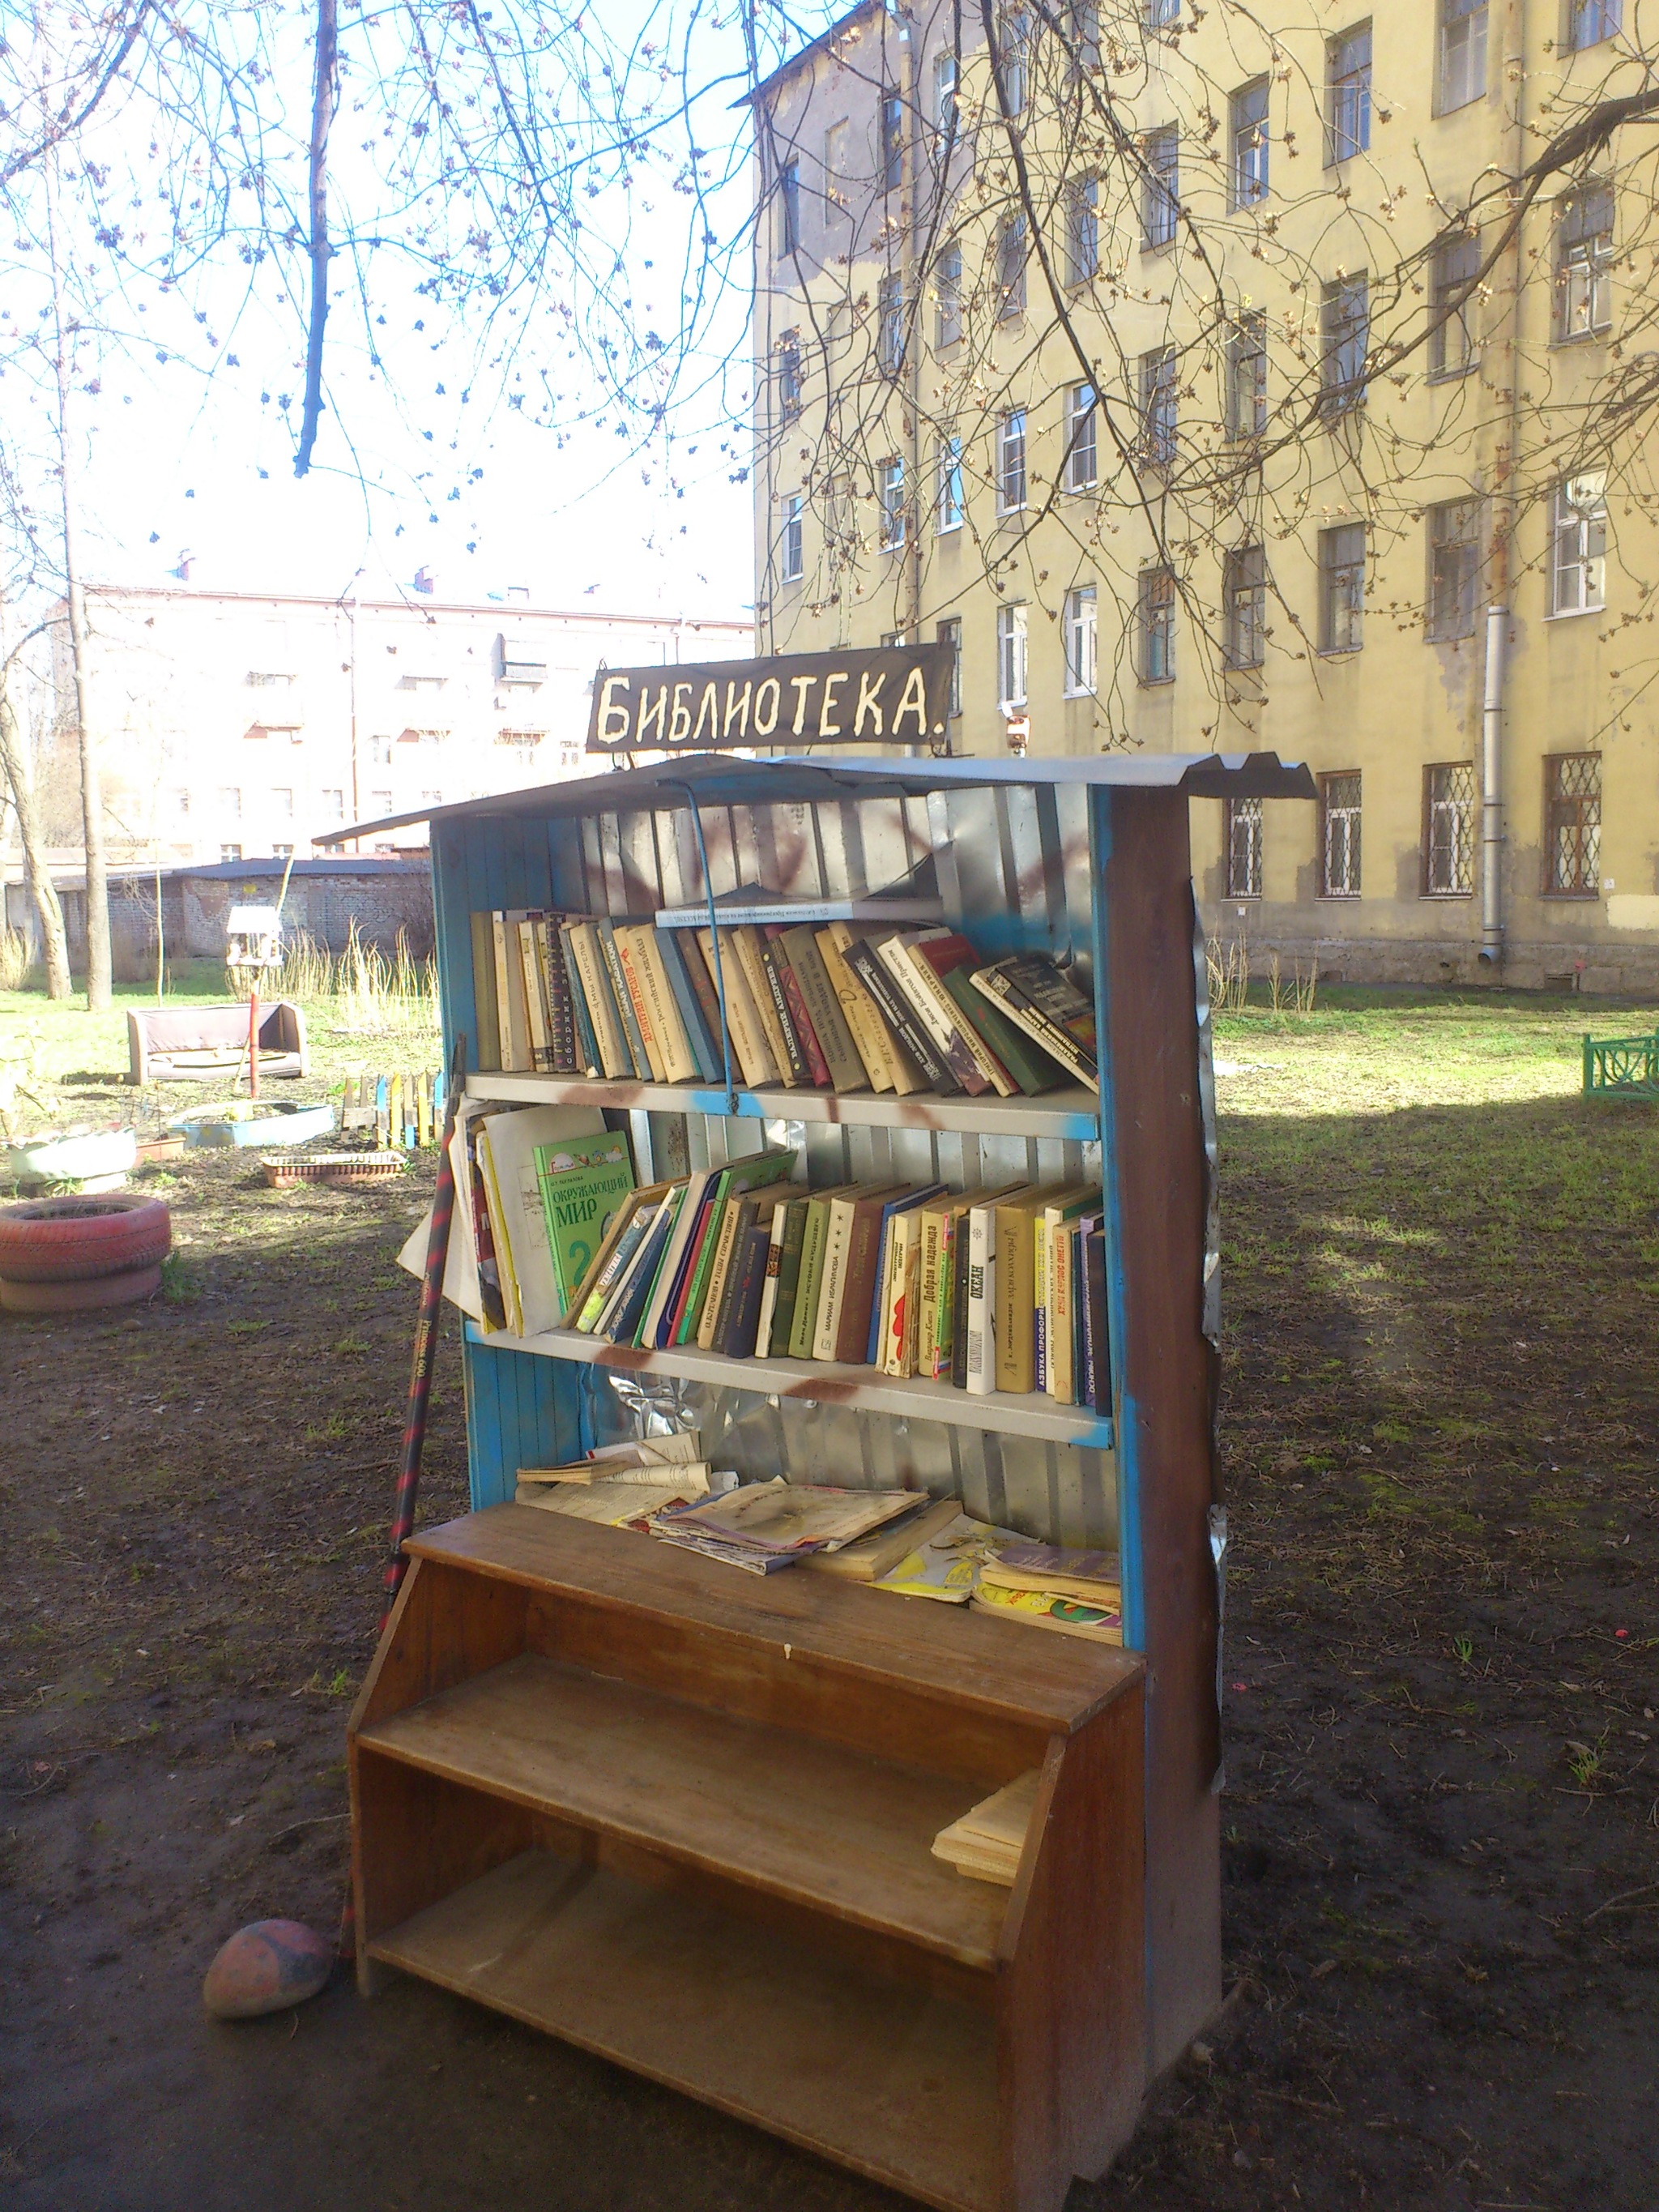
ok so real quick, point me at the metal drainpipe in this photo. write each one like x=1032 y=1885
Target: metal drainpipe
x=1491 y=792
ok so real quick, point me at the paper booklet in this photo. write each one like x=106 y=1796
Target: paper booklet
x=947 y=1565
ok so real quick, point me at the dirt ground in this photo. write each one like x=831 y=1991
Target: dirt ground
x=1442 y=1815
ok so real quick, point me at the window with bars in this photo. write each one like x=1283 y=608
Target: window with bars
x=949 y=632
x=1338 y=834
x=890 y=490
x=1011 y=461
x=1158 y=407
x=1245 y=604
x=1572 y=824
x=1344 y=333
x=892 y=142
x=1082 y=455
x=789 y=208
x=1451 y=337
x=1248 y=179
x=947 y=296
x=889 y=325
x=1083 y=230
x=1011 y=656
x=1462 y=53
x=1453 y=535
x=1449 y=829
x=1160 y=187
x=1342 y=588
x=1243 y=836
x=1590 y=21
x=1348 y=94
x=789 y=375
x=1079 y=641
x=1579 y=534
x=1010 y=268
x=1247 y=376
x=1584 y=262
x=947 y=513
x=790 y=539
x=1157 y=598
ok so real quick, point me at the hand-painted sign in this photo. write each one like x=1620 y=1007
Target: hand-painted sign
x=888 y=695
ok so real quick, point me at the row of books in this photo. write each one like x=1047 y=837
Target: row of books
x=842 y=1007
x=988 y=1289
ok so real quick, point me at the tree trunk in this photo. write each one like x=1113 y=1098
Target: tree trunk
x=99 y=965
x=44 y=898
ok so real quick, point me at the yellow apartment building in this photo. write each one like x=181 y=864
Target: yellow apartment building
x=1236 y=379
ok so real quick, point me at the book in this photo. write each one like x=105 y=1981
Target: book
x=771 y=1215
x=623 y=937
x=740 y=1176
x=655 y=1006
x=512 y=1020
x=619 y=1500
x=486 y=1021
x=751 y=1048
x=936 y=1280
x=868 y=1557
x=1058 y=1378
x=1050 y=1609
x=704 y=1043
x=776 y=953
x=933 y=1013
x=959 y=1305
x=895 y=1010
x=724 y=1234
x=620 y=1321
x=810 y=1279
x=848 y=1280
x=772 y=1338
x=888 y=1066
x=783 y=1051
x=1017 y=1278
x=628 y=1225
x=532 y=1292
x=638 y=1058
x=944 y=1565
x=843 y=1064
x=563 y=1048
x=934 y=954
x=1039 y=997
x=988 y=1841
x=656 y=1329
x=1027 y=1067
x=747 y=1278
x=984 y=1227
x=754 y=904
x=1096 y=1391
x=894 y=1288
x=616 y=1062
x=583 y=1185
x=1092 y=1577
x=792 y=1517
x=586 y=1047
x=534 y=994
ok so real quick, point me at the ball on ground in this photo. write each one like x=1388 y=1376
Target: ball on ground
x=267 y=1966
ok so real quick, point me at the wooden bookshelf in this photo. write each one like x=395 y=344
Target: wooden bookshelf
x=822 y=1383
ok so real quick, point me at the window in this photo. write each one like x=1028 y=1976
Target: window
x=1247 y=376
x=889 y=637
x=890 y=325
x=1242 y=831
x=379 y=802
x=1079 y=641
x=891 y=484
x=1449 y=829
x=230 y=852
x=1463 y=53
x=947 y=293
x=946 y=76
x=1572 y=824
x=1081 y=456
x=1584 y=262
x=1453 y=568
x=1345 y=328
x=1015 y=57
x=181 y=802
x=1590 y=21
x=1342 y=588
x=1010 y=267
x=1452 y=346
x=837 y=195
x=1249 y=144
x=1159 y=14
x=1083 y=35
x=789 y=376
x=282 y=802
x=789 y=538
x=948 y=509
x=1348 y=88
x=1339 y=835
x=892 y=142
x=1245 y=609
x=230 y=802
x=1159 y=184
x=282 y=852
x=1010 y=657
x=1083 y=230
x=1158 y=407
x=949 y=632
x=1156 y=612
x=432 y=798
x=332 y=803
x=1578 y=568
x=789 y=208
x=1011 y=461
x=379 y=751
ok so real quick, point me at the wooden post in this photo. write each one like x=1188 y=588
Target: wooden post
x=253 y=1037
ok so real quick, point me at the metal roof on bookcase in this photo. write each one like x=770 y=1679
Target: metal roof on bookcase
x=732 y=780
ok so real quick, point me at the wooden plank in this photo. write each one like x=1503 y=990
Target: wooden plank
x=900 y=2086
x=987 y=1666
x=803 y=1821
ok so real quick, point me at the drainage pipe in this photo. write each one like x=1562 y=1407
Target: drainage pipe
x=1491 y=790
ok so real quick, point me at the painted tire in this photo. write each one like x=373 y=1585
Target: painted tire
x=123 y=1290
x=73 y=1240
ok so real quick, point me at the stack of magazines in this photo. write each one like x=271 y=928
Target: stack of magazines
x=763 y=1526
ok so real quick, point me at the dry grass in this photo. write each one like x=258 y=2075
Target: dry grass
x=16 y=961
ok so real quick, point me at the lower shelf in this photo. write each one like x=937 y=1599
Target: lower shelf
x=890 y=2080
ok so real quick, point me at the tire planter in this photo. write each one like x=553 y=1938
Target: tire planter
x=124 y=1288
x=76 y=1240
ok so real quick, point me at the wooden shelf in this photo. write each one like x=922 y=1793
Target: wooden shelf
x=894 y=2082
x=1071 y=1114
x=1030 y=1415
x=808 y=1822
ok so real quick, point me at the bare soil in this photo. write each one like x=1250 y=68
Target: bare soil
x=1442 y=1849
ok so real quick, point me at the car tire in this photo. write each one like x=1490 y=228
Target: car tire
x=82 y=1296
x=72 y=1240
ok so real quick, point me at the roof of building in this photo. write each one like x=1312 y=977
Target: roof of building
x=825 y=40
x=732 y=779
x=417 y=603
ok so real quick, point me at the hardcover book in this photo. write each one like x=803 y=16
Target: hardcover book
x=583 y=1185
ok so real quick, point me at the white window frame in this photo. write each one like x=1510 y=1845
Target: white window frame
x=1583 y=268
x=1012 y=657
x=1079 y=638
x=1154 y=604
x=1083 y=230
x=949 y=632
x=891 y=487
x=1348 y=94
x=947 y=296
x=1579 y=544
x=1342 y=590
x=1341 y=856
x=791 y=535
x=1242 y=831
x=1462 y=56
x=946 y=76
x=1247 y=408
x=947 y=505
x=1011 y=480
x=1082 y=439
x=1247 y=170
x=1160 y=188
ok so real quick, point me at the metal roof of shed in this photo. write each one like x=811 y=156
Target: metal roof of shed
x=728 y=780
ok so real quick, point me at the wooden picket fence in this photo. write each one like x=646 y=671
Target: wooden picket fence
x=406 y=1109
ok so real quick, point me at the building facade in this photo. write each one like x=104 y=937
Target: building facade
x=1222 y=382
